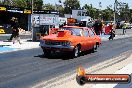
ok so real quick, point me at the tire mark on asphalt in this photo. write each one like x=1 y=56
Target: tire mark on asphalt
x=69 y=65
x=111 y=50
x=52 y=83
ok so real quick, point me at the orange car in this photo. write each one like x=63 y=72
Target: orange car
x=71 y=39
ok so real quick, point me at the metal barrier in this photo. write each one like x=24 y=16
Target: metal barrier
x=120 y=31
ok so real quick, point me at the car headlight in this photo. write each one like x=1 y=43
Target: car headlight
x=42 y=41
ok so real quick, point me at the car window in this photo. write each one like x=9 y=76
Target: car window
x=75 y=31
x=86 y=33
x=91 y=33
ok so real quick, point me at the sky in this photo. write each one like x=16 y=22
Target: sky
x=95 y=3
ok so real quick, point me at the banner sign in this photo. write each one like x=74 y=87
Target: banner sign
x=43 y=19
x=82 y=77
x=45 y=12
x=11 y=9
x=41 y=11
x=47 y=20
x=2 y=8
x=14 y=9
x=25 y=10
x=36 y=21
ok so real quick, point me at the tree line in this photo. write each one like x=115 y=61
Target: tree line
x=123 y=12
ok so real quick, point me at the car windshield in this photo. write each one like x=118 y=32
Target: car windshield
x=74 y=31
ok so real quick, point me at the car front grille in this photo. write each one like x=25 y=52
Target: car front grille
x=53 y=43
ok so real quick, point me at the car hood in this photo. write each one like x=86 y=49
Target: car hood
x=54 y=37
x=62 y=35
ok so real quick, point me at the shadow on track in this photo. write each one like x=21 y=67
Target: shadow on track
x=62 y=56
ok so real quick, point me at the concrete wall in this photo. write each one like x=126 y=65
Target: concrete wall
x=120 y=31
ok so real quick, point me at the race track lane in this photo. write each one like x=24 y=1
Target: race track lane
x=23 y=69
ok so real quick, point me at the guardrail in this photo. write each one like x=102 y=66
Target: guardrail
x=120 y=31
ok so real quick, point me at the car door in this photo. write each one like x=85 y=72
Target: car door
x=87 y=40
x=82 y=40
x=78 y=32
x=91 y=38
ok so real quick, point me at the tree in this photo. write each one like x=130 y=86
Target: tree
x=60 y=8
x=93 y=12
x=124 y=13
x=71 y=4
x=19 y=3
x=0 y=2
x=130 y=15
x=48 y=7
x=6 y=2
x=28 y=3
x=38 y=4
x=107 y=14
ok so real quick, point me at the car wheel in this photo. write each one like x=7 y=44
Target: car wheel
x=46 y=53
x=76 y=51
x=94 y=48
x=80 y=80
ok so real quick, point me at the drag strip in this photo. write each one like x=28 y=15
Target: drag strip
x=26 y=68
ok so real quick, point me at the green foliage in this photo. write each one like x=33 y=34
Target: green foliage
x=92 y=11
x=6 y=2
x=124 y=12
x=60 y=9
x=28 y=3
x=0 y=2
x=19 y=3
x=107 y=14
x=38 y=4
x=65 y=7
x=49 y=7
x=71 y=4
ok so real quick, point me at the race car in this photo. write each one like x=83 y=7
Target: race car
x=72 y=39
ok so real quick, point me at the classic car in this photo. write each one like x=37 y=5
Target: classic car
x=72 y=39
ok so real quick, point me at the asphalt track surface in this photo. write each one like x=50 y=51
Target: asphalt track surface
x=24 y=69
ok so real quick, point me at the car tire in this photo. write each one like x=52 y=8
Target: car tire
x=47 y=53
x=76 y=51
x=94 y=48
